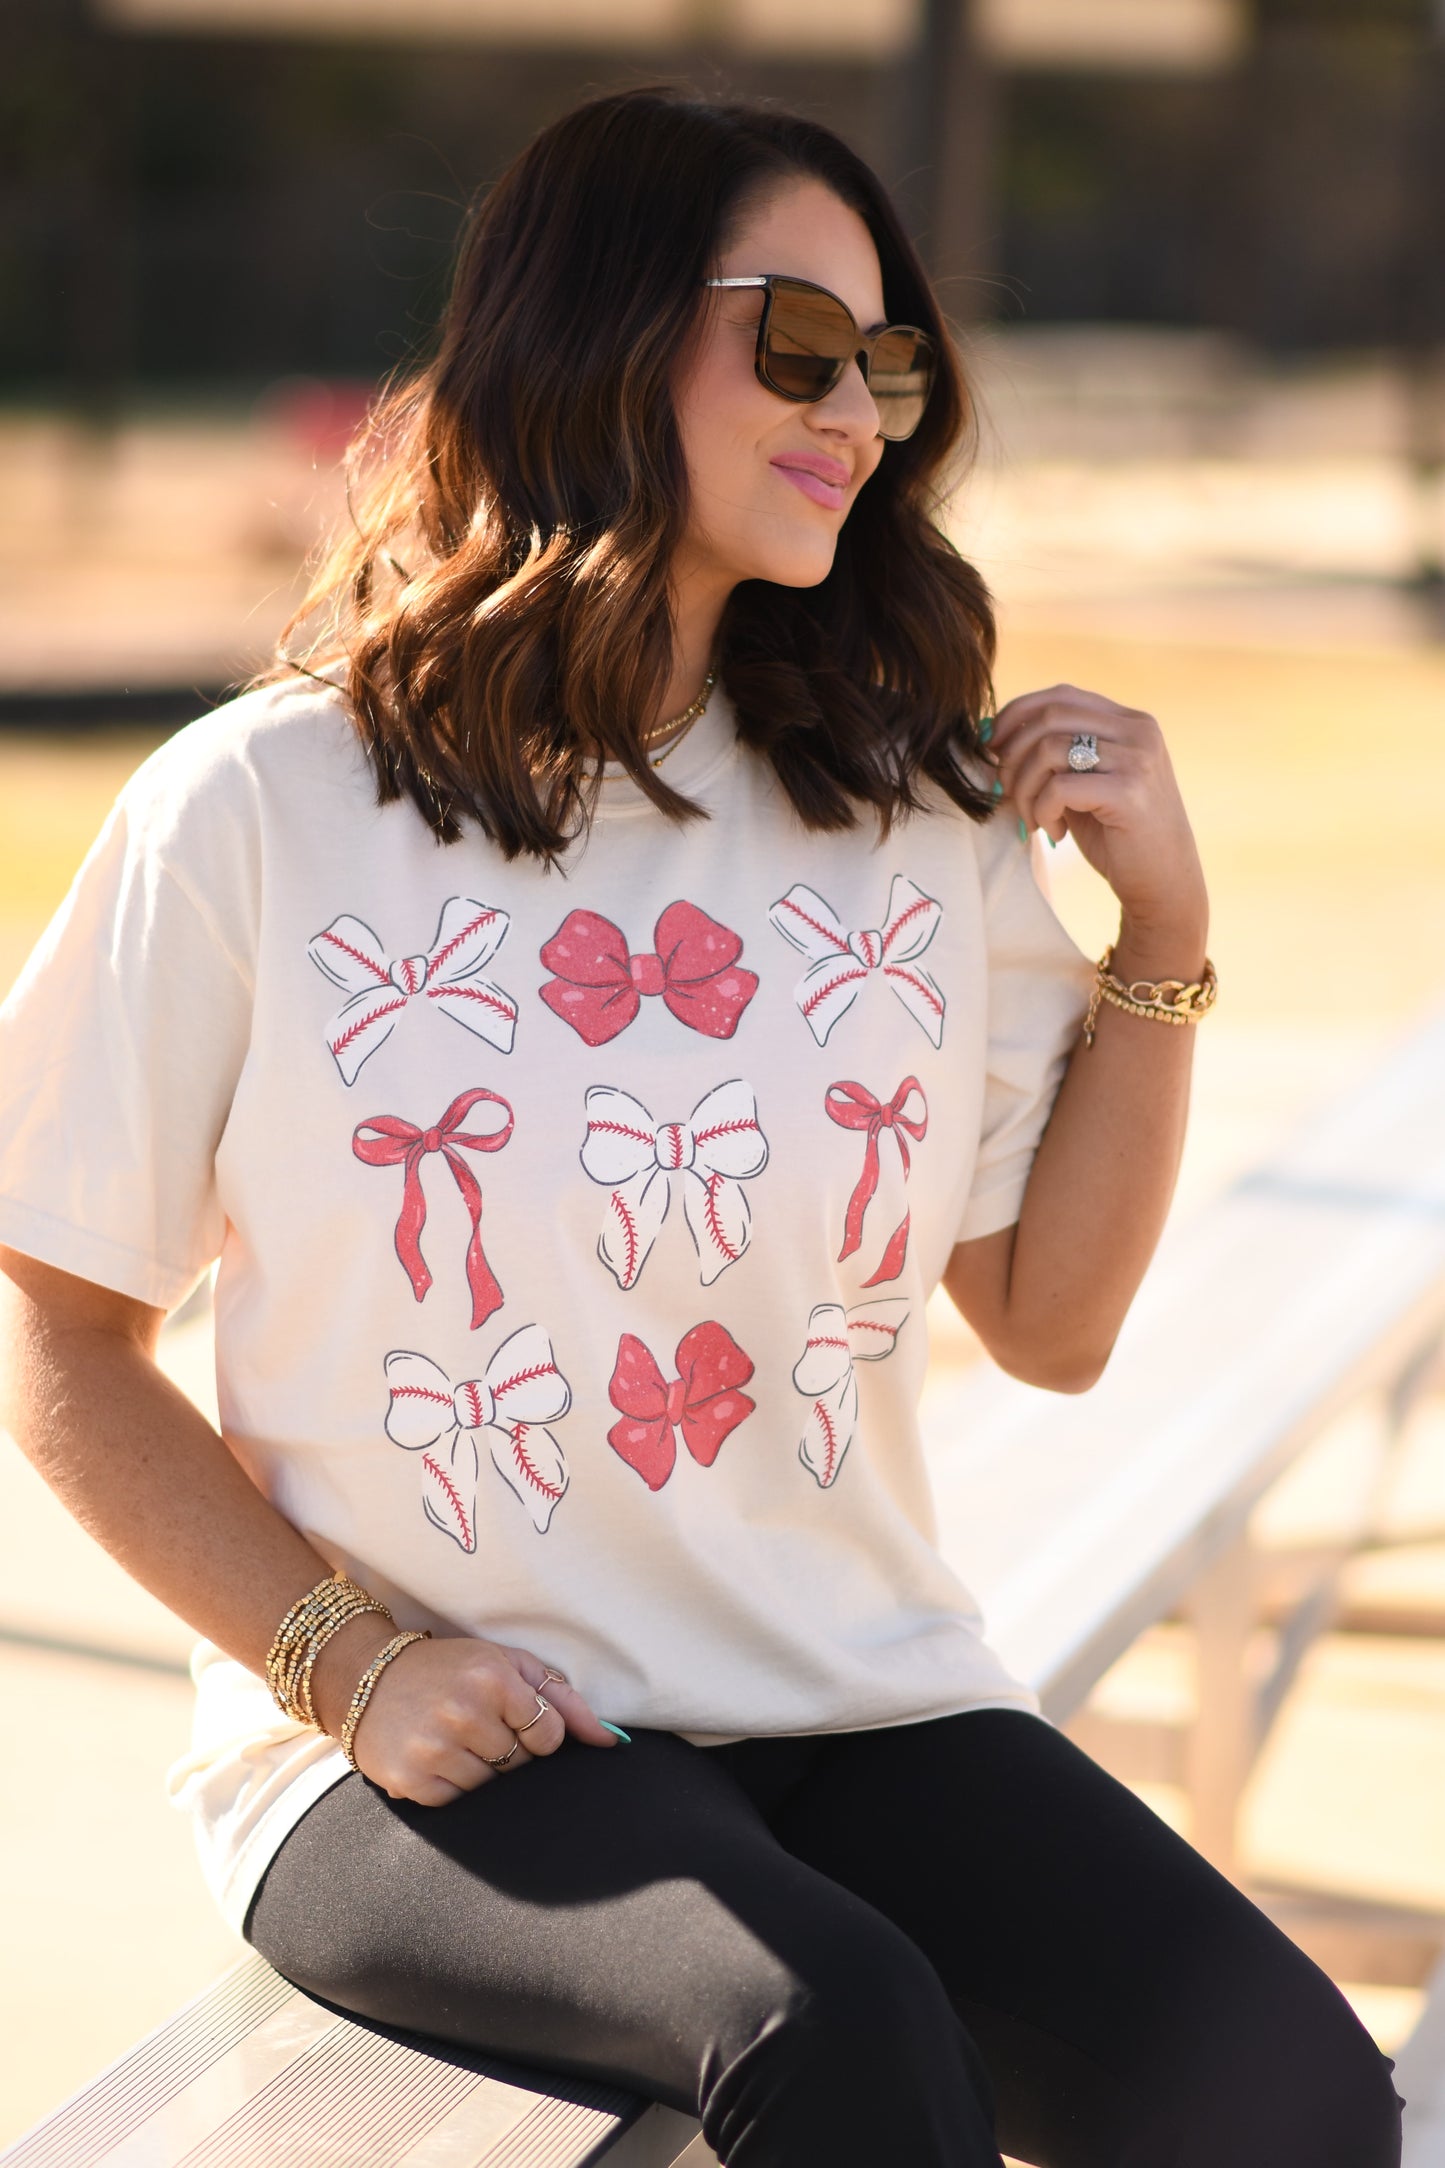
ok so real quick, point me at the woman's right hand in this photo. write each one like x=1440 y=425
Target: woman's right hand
x=440 y=1706
x=173 y=1504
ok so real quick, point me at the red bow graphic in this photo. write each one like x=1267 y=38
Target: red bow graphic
x=599 y=984
x=703 y=1400
x=387 y=1141
x=852 y=1106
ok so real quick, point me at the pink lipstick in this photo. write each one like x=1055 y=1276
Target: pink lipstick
x=824 y=480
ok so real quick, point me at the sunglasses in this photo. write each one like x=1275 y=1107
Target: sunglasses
x=807 y=337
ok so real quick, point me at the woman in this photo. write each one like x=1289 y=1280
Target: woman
x=586 y=1005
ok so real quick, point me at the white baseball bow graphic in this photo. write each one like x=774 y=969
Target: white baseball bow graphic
x=714 y=1152
x=467 y=938
x=521 y=1390
x=840 y=962
x=823 y=1373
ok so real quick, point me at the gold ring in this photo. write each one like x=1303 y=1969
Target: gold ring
x=500 y=1761
x=543 y=1709
x=549 y=1673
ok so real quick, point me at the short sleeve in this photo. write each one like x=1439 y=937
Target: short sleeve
x=1038 y=991
x=120 y=1047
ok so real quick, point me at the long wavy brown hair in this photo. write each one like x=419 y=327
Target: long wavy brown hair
x=498 y=611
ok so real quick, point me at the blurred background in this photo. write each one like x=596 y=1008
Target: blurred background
x=1193 y=249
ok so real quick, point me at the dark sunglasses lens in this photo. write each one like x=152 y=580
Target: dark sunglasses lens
x=900 y=379
x=809 y=342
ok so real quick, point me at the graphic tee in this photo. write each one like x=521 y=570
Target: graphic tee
x=573 y=1227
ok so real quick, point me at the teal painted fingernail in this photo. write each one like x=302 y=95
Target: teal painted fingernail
x=985 y=729
x=1023 y=832
x=997 y=787
x=1052 y=845
x=625 y=1737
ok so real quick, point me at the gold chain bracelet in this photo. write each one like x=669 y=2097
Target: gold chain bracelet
x=1163 y=1001
x=367 y=1681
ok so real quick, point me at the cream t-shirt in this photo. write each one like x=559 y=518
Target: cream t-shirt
x=574 y=1227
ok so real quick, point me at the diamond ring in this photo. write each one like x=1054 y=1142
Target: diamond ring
x=1083 y=752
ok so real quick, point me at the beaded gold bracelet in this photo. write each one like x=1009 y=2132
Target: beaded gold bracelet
x=367 y=1681
x=314 y=1648
x=335 y=1593
x=304 y=1632
x=289 y=1664
x=1163 y=1001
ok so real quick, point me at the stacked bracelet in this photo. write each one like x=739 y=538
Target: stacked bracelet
x=304 y=1632
x=1167 y=1001
x=365 y=1684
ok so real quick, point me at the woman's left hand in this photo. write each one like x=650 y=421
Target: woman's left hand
x=1126 y=815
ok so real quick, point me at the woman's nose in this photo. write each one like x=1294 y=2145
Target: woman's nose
x=850 y=403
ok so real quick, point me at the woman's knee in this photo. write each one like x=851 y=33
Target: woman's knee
x=1336 y=2096
x=1297 y=2079
x=858 y=2056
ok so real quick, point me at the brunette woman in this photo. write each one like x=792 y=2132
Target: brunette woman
x=586 y=1002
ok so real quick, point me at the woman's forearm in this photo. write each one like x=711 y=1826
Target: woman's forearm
x=1104 y=1175
x=145 y=1474
x=1048 y=1296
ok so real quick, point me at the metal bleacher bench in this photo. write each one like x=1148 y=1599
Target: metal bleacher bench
x=1315 y=1286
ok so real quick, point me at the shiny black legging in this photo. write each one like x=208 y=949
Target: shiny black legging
x=916 y=1946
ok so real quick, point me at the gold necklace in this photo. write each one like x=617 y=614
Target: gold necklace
x=680 y=723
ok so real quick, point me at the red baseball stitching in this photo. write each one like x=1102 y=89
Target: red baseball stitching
x=821 y=993
x=524 y=1377
x=891 y=931
x=483 y=918
x=453 y=1494
x=725 y=1129
x=872 y=1324
x=622 y=1129
x=714 y=1224
x=825 y=1340
x=347 y=950
x=901 y=971
x=473 y=993
x=816 y=924
x=629 y=1231
x=422 y=1392
x=353 y=1031
x=830 y=1439
x=528 y=1466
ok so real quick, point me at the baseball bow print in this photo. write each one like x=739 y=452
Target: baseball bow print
x=713 y=1153
x=703 y=1401
x=599 y=985
x=387 y=1141
x=521 y=1390
x=380 y=986
x=823 y=1373
x=841 y=962
x=905 y=1115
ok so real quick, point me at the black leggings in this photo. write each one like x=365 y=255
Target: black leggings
x=916 y=1945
